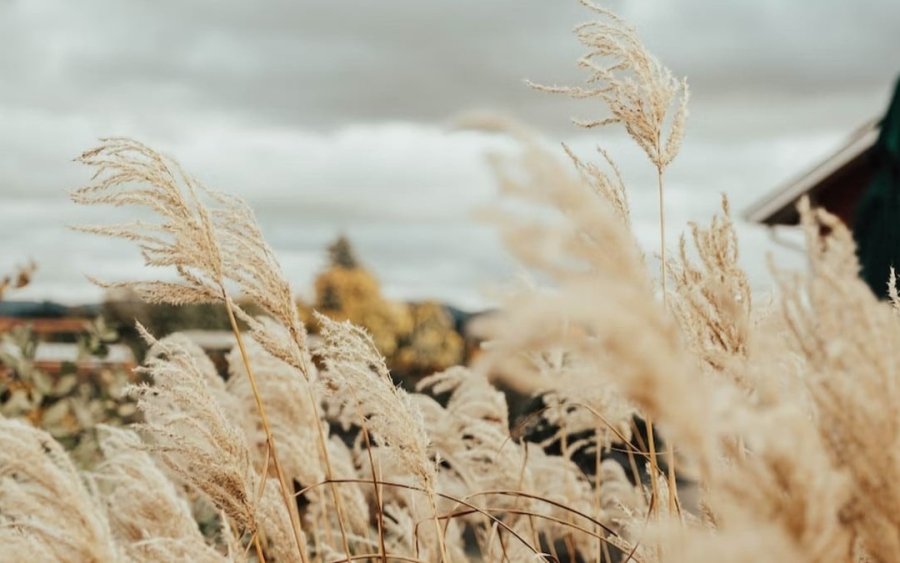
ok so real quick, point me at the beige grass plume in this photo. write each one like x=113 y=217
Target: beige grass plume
x=294 y=425
x=638 y=90
x=193 y=436
x=356 y=372
x=250 y=262
x=587 y=254
x=711 y=299
x=851 y=343
x=211 y=239
x=641 y=94
x=46 y=511
x=292 y=421
x=128 y=173
x=471 y=434
x=213 y=243
x=147 y=515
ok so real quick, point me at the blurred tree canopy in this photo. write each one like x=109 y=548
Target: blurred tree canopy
x=433 y=343
x=414 y=338
x=347 y=291
x=340 y=253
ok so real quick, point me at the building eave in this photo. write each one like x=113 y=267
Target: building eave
x=778 y=207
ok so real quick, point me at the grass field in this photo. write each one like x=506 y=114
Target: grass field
x=770 y=431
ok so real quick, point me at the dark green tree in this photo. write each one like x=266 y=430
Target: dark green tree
x=877 y=225
x=342 y=255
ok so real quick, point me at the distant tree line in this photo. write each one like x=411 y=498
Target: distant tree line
x=415 y=338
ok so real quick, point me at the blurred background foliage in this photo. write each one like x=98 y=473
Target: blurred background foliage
x=415 y=338
x=347 y=291
x=68 y=397
x=62 y=380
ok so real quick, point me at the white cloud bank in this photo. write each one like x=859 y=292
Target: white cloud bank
x=326 y=117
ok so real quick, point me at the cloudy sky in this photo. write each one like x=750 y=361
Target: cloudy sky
x=332 y=117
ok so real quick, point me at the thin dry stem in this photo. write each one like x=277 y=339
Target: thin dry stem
x=289 y=503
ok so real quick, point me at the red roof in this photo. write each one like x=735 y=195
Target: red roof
x=835 y=183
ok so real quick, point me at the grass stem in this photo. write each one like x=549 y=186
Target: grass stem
x=289 y=503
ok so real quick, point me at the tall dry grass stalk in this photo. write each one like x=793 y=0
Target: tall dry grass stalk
x=191 y=239
x=213 y=243
x=784 y=414
x=641 y=94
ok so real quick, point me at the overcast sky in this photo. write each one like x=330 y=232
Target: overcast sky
x=331 y=117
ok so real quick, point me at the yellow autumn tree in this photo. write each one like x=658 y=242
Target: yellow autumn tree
x=433 y=344
x=347 y=291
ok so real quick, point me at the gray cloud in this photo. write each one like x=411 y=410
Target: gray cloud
x=321 y=64
x=327 y=116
